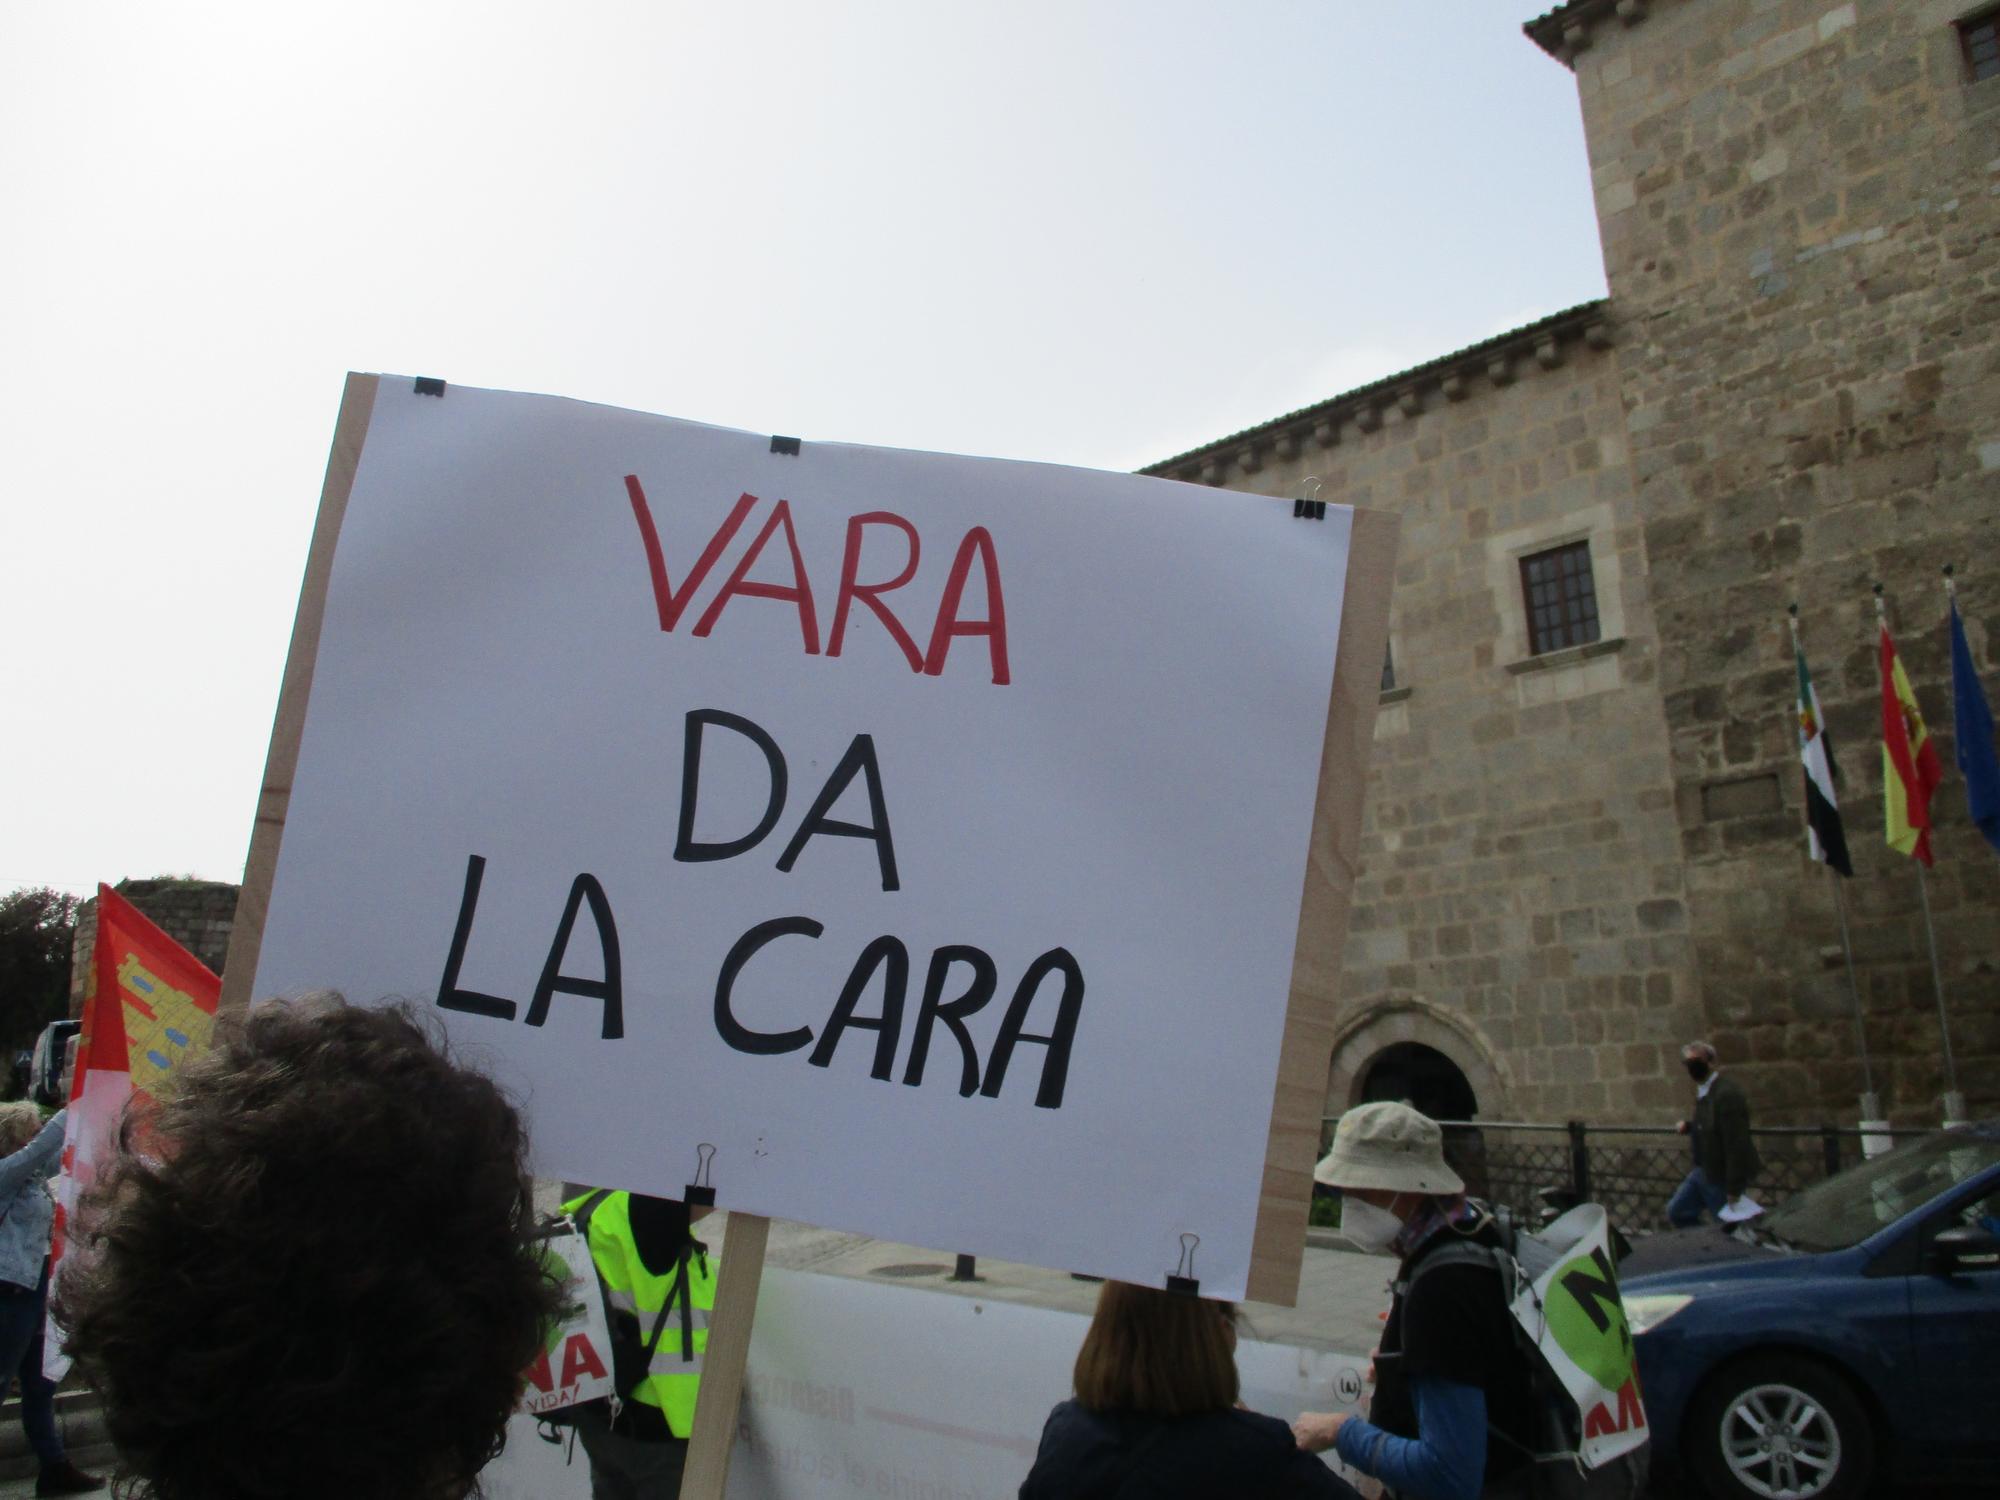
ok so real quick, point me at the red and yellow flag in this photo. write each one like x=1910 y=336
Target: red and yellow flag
x=149 y=1005
x=1910 y=769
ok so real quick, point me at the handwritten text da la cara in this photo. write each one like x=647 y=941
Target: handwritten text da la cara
x=958 y=980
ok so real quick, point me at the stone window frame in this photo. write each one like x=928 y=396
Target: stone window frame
x=1979 y=43
x=1505 y=550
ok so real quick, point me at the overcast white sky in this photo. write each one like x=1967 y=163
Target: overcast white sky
x=1097 y=232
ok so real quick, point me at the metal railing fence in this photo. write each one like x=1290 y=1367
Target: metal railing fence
x=1631 y=1169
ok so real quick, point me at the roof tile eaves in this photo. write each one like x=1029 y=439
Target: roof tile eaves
x=1581 y=314
x=1549 y=30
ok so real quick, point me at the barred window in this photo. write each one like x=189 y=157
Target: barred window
x=1980 y=37
x=1561 y=597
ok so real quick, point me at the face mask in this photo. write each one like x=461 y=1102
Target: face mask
x=1366 y=1226
x=1697 y=1069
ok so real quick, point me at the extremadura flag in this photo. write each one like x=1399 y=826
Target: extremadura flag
x=1824 y=835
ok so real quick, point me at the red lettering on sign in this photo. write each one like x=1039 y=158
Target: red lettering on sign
x=799 y=594
x=870 y=593
x=579 y=1359
x=1601 y=1421
x=993 y=627
x=669 y=603
x=976 y=545
x=538 y=1373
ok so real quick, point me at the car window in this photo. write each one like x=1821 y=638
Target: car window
x=1982 y=1213
x=1845 y=1209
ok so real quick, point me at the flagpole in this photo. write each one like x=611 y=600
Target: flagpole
x=1871 y=1103
x=1954 y=1101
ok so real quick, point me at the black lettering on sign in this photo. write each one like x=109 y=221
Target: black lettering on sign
x=686 y=847
x=953 y=1013
x=1596 y=1293
x=1055 y=1067
x=859 y=759
x=733 y=1031
x=450 y=996
x=893 y=959
x=610 y=988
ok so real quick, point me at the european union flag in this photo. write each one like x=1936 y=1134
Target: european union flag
x=1973 y=723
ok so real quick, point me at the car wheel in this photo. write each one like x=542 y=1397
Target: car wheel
x=1780 y=1427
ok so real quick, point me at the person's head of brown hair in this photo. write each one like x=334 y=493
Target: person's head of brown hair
x=317 y=1279
x=1157 y=1353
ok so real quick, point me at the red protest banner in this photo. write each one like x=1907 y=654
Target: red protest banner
x=149 y=1006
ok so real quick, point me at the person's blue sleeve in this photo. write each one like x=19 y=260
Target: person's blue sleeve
x=1446 y=1461
x=35 y=1160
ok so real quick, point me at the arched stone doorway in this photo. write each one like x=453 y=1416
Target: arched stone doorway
x=1422 y=1077
x=1408 y=1049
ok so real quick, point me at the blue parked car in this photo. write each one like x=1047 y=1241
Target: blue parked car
x=1849 y=1335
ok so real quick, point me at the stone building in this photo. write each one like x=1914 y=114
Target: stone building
x=1583 y=835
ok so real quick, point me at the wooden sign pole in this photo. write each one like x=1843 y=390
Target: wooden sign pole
x=724 y=1360
x=281 y=762
x=1333 y=858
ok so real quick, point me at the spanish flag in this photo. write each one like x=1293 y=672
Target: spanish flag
x=1910 y=770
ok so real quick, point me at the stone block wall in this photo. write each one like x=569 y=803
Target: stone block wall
x=1522 y=906
x=1800 y=205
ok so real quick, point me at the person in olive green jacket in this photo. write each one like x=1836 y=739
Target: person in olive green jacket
x=1725 y=1155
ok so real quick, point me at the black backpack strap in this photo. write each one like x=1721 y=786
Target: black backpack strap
x=680 y=1292
x=590 y=1206
x=1454 y=1253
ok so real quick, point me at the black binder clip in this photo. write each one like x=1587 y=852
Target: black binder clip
x=785 y=445
x=1183 y=1280
x=701 y=1192
x=429 y=385
x=1309 y=510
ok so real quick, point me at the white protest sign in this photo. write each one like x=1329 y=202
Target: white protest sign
x=892 y=841
x=574 y=1365
x=857 y=1389
x=1571 y=1308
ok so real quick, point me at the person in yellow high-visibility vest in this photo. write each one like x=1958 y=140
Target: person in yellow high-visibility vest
x=659 y=1290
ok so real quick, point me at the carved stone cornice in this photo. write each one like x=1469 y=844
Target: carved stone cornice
x=1412 y=395
x=1569 y=29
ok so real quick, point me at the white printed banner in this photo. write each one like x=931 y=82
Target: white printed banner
x=891 y=841
x=574 y=1365
x=857 y=1391
x=1572 y=1310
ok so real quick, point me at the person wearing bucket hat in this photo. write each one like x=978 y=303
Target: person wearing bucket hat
x=1449 y=1366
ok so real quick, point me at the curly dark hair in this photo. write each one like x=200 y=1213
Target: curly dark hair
x=323 y=1284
